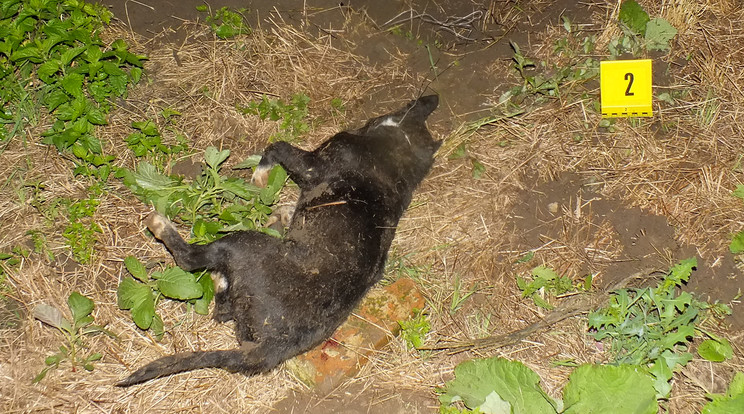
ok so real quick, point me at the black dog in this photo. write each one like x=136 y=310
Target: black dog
x=288 y=295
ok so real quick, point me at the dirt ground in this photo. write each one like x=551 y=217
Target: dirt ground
x=585 y=199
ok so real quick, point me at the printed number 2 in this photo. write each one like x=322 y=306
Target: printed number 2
x=629 y=78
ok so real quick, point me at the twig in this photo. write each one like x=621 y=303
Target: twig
x=464 y=22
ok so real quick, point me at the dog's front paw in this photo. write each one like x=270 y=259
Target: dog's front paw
x=157 y=223
x=261 y=175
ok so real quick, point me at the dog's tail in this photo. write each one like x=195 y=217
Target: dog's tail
x=248 y=361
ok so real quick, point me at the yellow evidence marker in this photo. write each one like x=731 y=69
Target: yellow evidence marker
x=625 y=88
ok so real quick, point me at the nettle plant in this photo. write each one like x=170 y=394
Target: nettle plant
x=52 y=57
x=212 y=204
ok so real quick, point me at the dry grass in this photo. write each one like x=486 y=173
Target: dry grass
x=682 y=165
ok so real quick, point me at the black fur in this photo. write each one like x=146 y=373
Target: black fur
x=289 y=295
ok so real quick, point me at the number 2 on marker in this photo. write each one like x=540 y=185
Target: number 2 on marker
x=625 y=88
x=629 y=78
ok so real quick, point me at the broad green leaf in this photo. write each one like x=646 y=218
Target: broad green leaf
x=80 y=306
x=728 y=405
x=70 y=54
x=138 y=298
x=46 y=70
x=633 y=15
x=135 y=74
x=736 y=387
x=136 y=269
x=495 y=405
x=97 y=117
x=240 y=188
x=148 y=177
x=516 y=384
x=214 y=157
x=93 y=54
x=715 y=350
x=604 y=389
x=157 y=327
x=253 y=160
x=54 y=99
x=658 y=34
x=176 y=283
x=544 y=272
x=737 y=243
x=201 y=305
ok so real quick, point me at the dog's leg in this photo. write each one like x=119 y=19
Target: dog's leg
x=300 y=164
x=189 y=257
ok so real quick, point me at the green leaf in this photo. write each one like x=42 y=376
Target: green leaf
x=97 y=117
x=736 y=387
x=46 y=70
x=681 y=272
x=137 y=297
x=240 y=188
x=478 y=169
x=157 y=327
x=737 y=243
x=201 y=305
x=214 y=157
x=609 y=389
x=739 y=192
x=733 y=405
x=80 y=306
x=70 y=54
x=55 y=98
x=149 y=178
x=715 y=350
x=526 y=258
x=633 y=15
x=136 y=269
x=658 y=34
x=516 y=384
x=662 y=375
x=544 y=272
x=495 y=405
x=253 y=160
x=176 y=283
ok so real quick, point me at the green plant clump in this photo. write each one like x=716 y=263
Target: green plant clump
x=74 y=332
x=212 y=204
x=81 y=231
x=545 y=283
x=414 y=330
x=226 y=23
x=52 y=57
x=141 y=293
x=652 y=327
x=147 y=142
x=291 y=116
x=640 y=31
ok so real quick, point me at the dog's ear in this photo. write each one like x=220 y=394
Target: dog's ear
x=421 y=108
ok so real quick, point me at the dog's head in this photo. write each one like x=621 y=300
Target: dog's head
x=407 y=125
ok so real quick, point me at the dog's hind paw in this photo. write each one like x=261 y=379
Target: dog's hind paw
x=261 y=175
x=157 y=223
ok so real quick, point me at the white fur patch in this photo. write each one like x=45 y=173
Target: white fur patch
x=389 y=122
x=220 y=282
